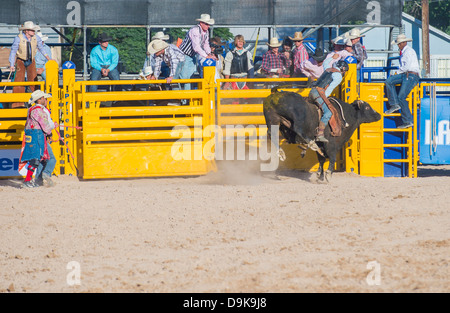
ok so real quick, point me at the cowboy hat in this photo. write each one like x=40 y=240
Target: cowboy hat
x=274 y=43
x=319 y=56
x=156 y=46
x=355 y=33
x=43 y=37
x=298 y=36
x=147 y=71
x=103 y=37
x=401 y=38
x=36 y=95
x=161 y=36
x=339 y=41
x=205 y=18
x=28 y=25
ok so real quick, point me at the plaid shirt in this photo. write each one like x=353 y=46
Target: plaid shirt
x=271 y=61
x=360 y=54
x=172 y=57
x=300 y=56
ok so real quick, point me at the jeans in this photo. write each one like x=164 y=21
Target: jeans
x=408 y=82
x=46 y=168
x=315 y=96
x=97 y=75
x=188 y=68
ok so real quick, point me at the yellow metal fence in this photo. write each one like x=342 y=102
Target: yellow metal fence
x=117 y=134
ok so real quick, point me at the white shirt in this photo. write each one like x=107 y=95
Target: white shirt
x=408 y=60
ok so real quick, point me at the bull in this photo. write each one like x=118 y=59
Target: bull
x=298 y=118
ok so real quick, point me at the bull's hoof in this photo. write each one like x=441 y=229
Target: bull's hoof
x=281 y=154
x=328 y=175
x=320 y=175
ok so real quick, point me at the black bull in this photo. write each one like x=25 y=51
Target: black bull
x=298 y=119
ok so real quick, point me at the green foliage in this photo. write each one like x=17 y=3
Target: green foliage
x=223 y=33
x=439 y=12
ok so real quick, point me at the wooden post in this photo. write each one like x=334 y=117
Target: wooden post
x=425 y=38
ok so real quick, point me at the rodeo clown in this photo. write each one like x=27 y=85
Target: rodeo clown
x=36 y=147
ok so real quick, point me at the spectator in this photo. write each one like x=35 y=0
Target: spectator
x=272 y=64
x=216 y=45
x=150 y=59
x=104 y=59
x=343 y=49
x=40 y=59
x=360 y=52
x=300 y=54
x=22 y=57
x=37 y=151
x=196 y=47
x=170 y=55
x=287 y=56
x=238 y=64
x=407 y=77
x=313 y=67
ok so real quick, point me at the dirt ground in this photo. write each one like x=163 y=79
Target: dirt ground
x=230 y=231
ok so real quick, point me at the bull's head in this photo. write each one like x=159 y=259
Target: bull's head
x=365 y=112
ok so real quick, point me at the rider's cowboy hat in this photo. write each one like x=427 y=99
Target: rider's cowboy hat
x=156 y=46
x=298 y=36
x=355 y=33
x=205 y=18
x=274 y=43
x=401 y=38
x=160 y=36
x=36 y=95
x=28 y=25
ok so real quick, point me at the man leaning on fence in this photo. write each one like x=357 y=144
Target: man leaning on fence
x=196 y=47
x=104 y=60
x=22 y=57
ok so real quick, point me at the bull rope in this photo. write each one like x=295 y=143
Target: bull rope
x=62 y=139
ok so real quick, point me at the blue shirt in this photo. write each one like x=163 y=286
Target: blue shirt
x=108 y=57
x=40 y=59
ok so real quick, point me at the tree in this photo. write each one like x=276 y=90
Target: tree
x=439 y=13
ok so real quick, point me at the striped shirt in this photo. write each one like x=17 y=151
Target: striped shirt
x=196 y=42
x=300 y=56
x=172 y=57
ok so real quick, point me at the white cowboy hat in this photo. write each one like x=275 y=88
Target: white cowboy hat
x=339 y=41
x=156 y=46
x=147 y=71
x=43 y=37
x=355 y=33
x=161 y=36
x=274 y=43
x=298 y=36
x=36 y=95
x=28 y=25
x=401 y=38
x=205 y=18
